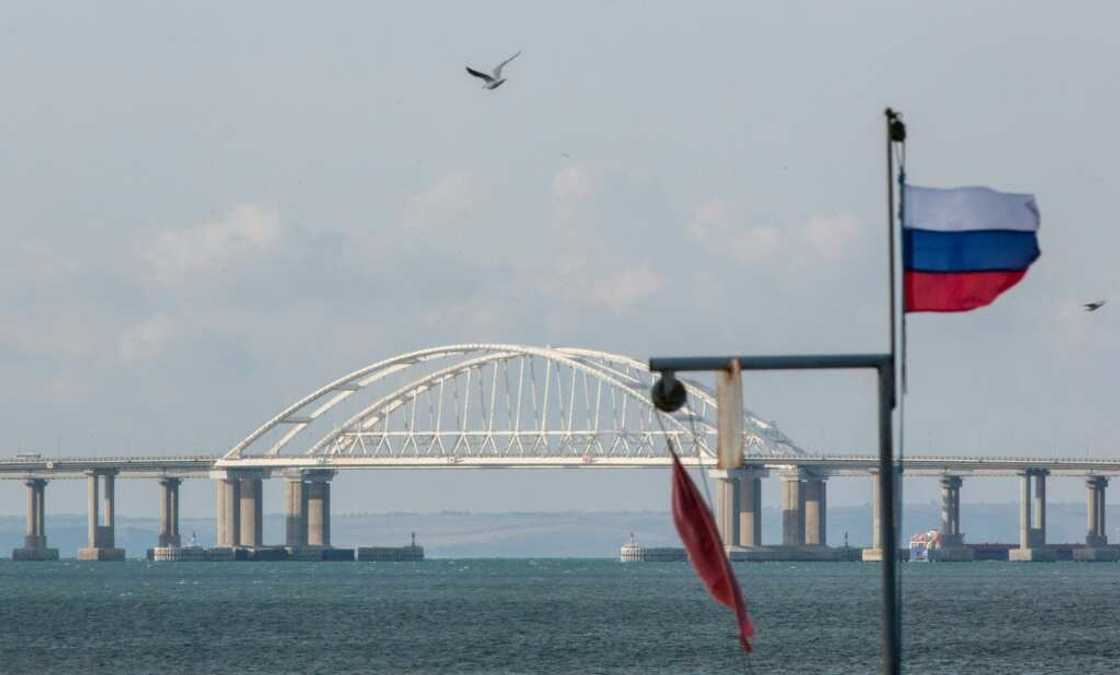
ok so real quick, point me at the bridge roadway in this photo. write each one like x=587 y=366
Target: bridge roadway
x=201 y=466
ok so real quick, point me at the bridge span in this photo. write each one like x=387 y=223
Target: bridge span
x=498 y=406
x=203 y=466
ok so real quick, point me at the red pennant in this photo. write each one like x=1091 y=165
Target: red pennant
x=697 y=529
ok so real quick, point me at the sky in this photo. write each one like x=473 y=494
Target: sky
x=213 y=209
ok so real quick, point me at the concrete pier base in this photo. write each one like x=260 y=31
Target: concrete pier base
x=876 y=554
x=1097 y=554
x=790 y=553
x=953 y=554
x=390 y=553
x=267 y=553
x=226 y=554
x=35 y=554
x=320 y=553
x=100 y=553
x=1034 y=554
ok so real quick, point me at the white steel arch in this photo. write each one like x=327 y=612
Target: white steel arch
x=485 y=402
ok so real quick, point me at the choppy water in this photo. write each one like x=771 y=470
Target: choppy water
x=546 y=616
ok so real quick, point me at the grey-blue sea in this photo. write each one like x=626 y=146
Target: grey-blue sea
x=546 y=616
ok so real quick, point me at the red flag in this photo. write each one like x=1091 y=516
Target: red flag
x=697 y=529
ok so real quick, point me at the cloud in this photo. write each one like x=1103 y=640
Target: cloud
x=450 y=200
x=577 y=280
x=62 y=335
x=717 y=226
x=147 y=339
x=175 y=255
x=626 y=287
x=830 y=236
x=573 y=183
x=712 y=215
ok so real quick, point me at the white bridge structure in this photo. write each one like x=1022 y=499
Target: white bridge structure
x=496 y=405
x=520 y=407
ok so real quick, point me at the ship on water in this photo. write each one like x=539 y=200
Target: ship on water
x=925 y=546
x=632 y=551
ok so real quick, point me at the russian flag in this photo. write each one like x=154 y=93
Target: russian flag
x=963 y=247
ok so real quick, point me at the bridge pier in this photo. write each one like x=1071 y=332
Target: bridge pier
x=1032 y=519
x=35 y=541
x=252 y=512
x=816 y=512
x=1096 y=539
x=169 y=513
x=952 y=539
x=804 y=509
x=295 y=521
x=102 y=537
x=875 y=552
x=228 y=511
x=319 y=509
x=240 y=509
x=739 y=506
x=308 y=521
x=750 y=508
x=793 y=510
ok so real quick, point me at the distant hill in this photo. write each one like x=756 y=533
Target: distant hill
x=562 y=534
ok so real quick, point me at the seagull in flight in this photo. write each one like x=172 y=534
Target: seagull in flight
x=494 y=79
x=1094 y=306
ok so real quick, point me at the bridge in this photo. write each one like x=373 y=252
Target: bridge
x=517 y=406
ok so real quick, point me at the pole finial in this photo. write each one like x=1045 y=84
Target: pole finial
x=896 y=130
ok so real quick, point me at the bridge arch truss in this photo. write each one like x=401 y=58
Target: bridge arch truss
x=496 y=404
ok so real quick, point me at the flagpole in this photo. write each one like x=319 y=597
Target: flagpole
x=891 y=116
x=891 y=635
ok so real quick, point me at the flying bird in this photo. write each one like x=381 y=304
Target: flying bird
x=494 y=79
x=1094 y=306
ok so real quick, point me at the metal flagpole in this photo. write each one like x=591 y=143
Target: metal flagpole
x=891 y=636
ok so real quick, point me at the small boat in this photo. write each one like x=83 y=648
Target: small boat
x=632 y=551
x=925 y=546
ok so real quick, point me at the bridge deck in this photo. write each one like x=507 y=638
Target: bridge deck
x=850 y=465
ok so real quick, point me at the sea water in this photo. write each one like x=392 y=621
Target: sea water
x=546 y=616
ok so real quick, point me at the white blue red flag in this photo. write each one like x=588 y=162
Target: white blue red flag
x=963 y=247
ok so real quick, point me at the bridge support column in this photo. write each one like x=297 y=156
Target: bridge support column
x=1096 y=538
x=739 y=506
x=951 y=511
x=804 y=518
x=319 y=508
x=229 y=511
x=727 y=506
x=1097 y=534
x=252 y=513
x=169 y=513
x=295 y=521
x=874 y=553
x=307 y=494
x=1032 y=519
x=793 y=511
x=952 y=539
x=35 y=541
x=816 y=512
x=750 y=509
x=102 y=535
x=1038 y=529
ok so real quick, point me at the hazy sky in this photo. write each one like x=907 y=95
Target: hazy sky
x=213 y=209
